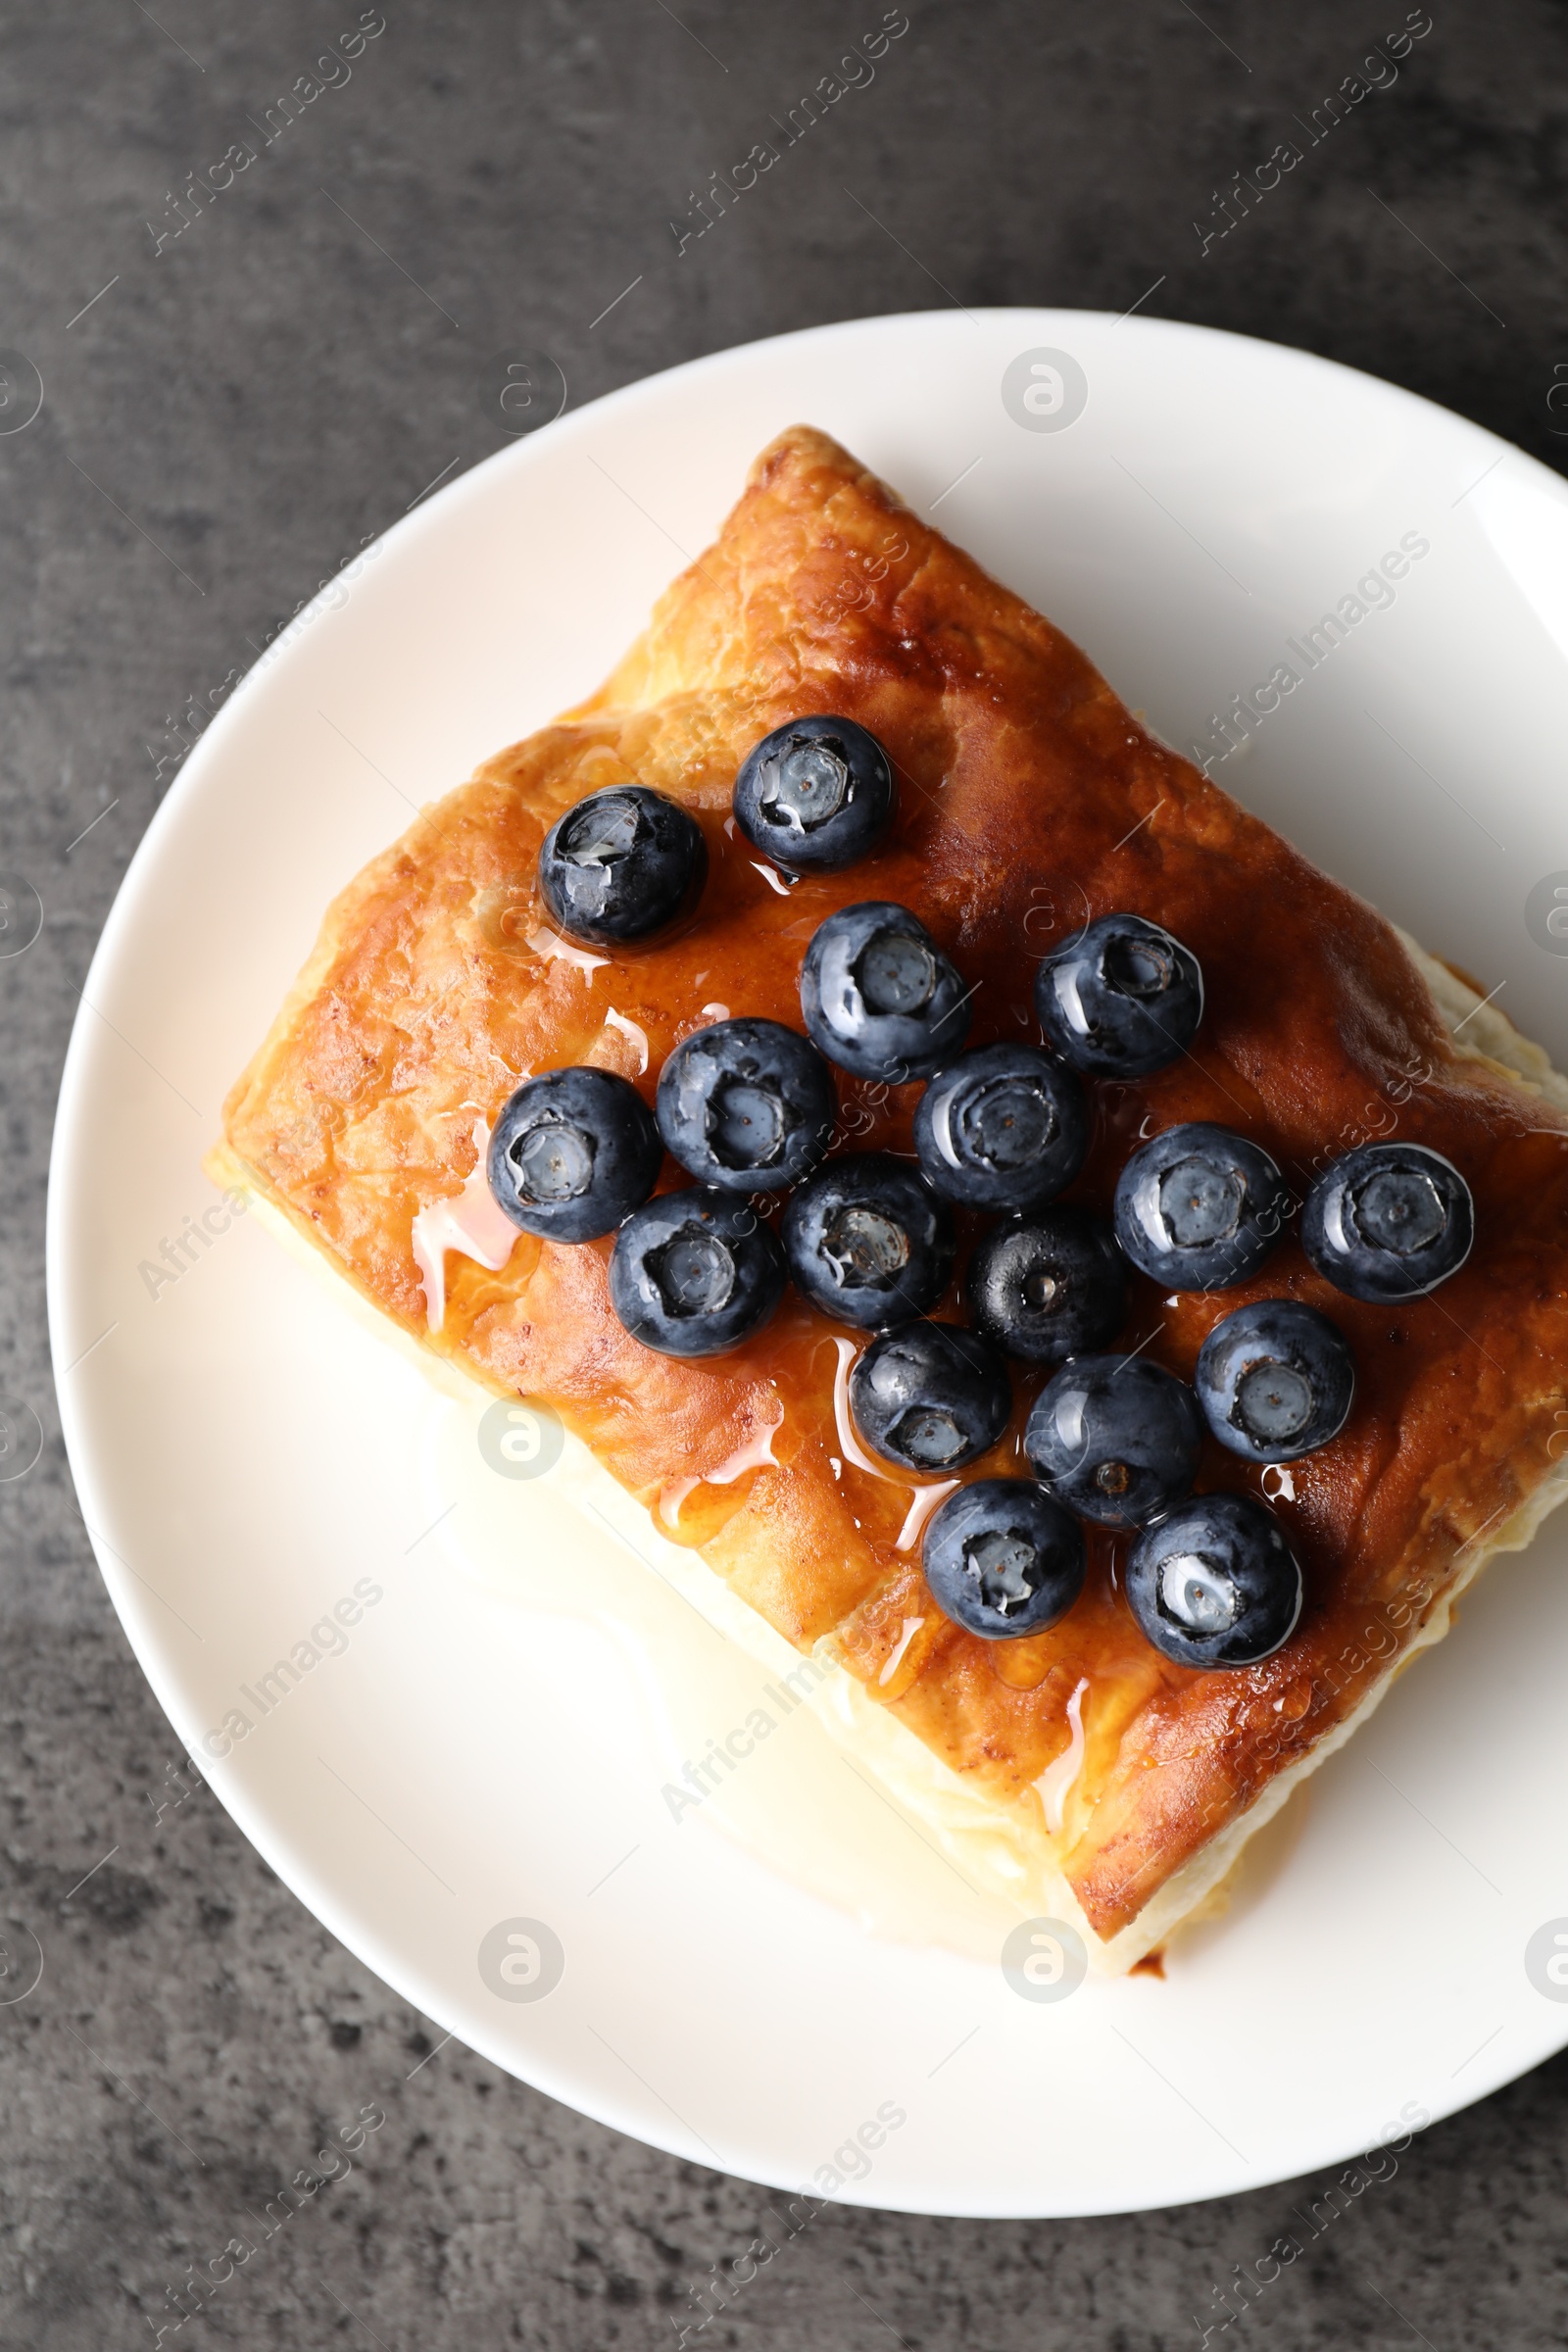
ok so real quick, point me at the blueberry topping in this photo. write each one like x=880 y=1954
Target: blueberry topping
x=623 y=863
x=868 y=1242
x=1198 y=1209
x=574 y=1152
x=1116 y=1437
x=816 y=795
x=1003 y=1128
x=879 y=997
x=1003 y=1558
x=1388 y=1221
x=747 y=1104
x=1122 y=998
x=1275 y=1380
x=695 y=1272
x=1216 y=1584
x=930 y=1396
x=1052 y=1287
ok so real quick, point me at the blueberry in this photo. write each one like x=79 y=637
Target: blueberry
x=747 y=1104
x=1116 y=1437
x=879 y=997
x=1122 y=998
x=623 y=863
x=1216 y=1584
x=868 y=1242
x=1275 y=1380
x=1198 y=1209
x=930 y=1396
x=695 y=1272
x=816 y=795
x=1388 y=1221
x=1003 y=1128
x=1003 y=1558
x=1052 y=1287
x=574 y=1152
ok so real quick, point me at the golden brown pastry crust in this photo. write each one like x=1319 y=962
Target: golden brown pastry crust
x=1030 y=798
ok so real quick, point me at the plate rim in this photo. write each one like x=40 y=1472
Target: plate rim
x=316 y=1894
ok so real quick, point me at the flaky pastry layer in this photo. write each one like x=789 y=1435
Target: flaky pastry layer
x=1030 y=800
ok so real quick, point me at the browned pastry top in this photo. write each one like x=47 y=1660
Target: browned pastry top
x=1030 y=801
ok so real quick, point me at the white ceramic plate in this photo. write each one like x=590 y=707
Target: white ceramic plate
x=749 y=1984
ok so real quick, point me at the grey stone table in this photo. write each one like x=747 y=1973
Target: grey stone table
x=244 y=375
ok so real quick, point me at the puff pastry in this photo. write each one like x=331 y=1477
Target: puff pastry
x=1081 y=1770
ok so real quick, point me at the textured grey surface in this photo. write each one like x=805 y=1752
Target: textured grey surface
x=225 y=422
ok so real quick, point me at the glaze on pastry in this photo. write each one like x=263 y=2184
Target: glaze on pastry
x=1028 y=804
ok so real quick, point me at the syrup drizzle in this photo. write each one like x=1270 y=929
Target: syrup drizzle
x=924 y=1500
x=924 y=1504
x=895 y=1657
x=550 y=944
x=637 y=1037
x=849 y=1443
x=756 y=1455
x=469 y=1221
x=1057 y=1779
